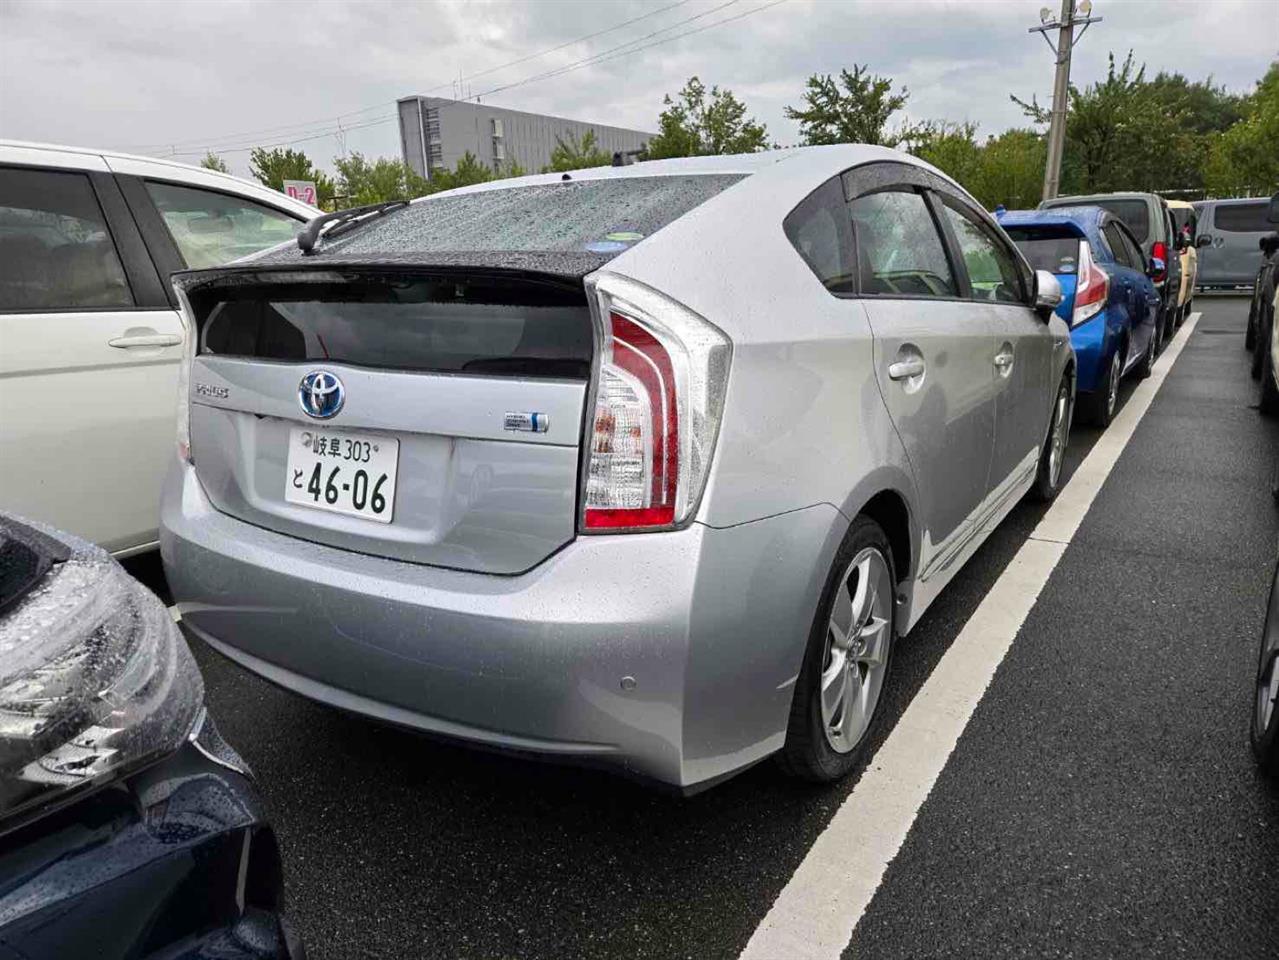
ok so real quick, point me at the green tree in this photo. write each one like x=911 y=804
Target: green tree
x=577 y=154
x=272 y=167
x=857 y=113
x=951 y=147
x=212 y=161
x=363 y=182
x=1245 y=158
x=698 y=122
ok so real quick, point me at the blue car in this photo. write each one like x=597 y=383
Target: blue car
x=1108 y=297
x=128 y=826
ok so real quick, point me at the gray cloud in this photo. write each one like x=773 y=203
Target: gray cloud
x=160 y=77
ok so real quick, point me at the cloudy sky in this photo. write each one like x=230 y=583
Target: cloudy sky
x=177 y=77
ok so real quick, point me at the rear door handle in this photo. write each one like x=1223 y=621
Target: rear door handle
x=907 y=368
x=140 y=339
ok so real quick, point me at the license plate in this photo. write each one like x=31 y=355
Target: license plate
x=342 y=472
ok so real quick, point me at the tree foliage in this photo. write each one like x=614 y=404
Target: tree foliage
x=212 y=161
x=853 y=109
x=699 y=122
x=577 y=154
x=272 y=167
x=1245 y=158
x=361 y=181
x=1126 y=132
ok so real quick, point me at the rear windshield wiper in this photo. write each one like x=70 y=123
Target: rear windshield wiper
x=339 y=222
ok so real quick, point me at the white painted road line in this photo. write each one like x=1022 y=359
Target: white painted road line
x=814 y=916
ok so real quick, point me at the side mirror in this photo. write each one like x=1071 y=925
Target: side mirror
x=1272 y=212
x=1047 y=293
x=1203 y=240
x=1156 y=268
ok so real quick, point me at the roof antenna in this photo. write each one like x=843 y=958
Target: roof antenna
x=566 y=177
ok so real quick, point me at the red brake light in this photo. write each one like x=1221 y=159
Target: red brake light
x=1160 y=252
x=1092 y=288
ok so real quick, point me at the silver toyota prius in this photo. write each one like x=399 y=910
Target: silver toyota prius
x=646 y=467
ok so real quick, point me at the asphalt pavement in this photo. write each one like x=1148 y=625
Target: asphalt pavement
x=1101 y=802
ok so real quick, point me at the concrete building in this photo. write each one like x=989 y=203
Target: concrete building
x=435 y=132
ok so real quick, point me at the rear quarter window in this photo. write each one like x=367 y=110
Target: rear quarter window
x=1048 y=249
x=1242 y=218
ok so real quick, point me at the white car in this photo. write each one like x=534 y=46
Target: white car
x=90 y=338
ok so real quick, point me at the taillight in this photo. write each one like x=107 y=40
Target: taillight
x=184 y=376
x=662 y=375
x=1092 y=288
x=1159 y=251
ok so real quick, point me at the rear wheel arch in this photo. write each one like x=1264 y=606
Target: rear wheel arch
x=889 y=509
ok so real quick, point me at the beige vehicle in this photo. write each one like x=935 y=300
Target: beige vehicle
x=1185 y=219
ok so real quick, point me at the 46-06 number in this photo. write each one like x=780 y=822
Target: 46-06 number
x=358 y=486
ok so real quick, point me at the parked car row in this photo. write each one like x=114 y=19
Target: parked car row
x=528 y=464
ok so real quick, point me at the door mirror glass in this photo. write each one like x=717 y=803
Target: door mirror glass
x=1047 y=292
x=1155 y=269
x=1203 y=240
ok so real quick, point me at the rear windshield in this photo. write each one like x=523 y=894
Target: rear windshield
x=591 y=216
x=478 y=324
x=1047 y=249
x=1242 y=217
x=1134 y=213
x=1181 y=216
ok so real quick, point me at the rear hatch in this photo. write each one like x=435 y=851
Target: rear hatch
x=449 y=410
x=416 y=390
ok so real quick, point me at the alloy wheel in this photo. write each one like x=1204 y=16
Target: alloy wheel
x=1112 y=391
x=1267 y=692
x=1057 y=450
x=857 y=646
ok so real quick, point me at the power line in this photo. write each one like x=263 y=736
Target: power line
x=590 y=62
x=615 y=53
x=587 y=61
x=304 y=126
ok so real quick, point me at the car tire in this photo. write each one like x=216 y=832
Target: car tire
x=1052 y=457
x=1250 y=331
x=1259 y=351
x=1264 y=728
x=1146 y=366
x=1268 y=394
x=1099 y=406
x=825 y=736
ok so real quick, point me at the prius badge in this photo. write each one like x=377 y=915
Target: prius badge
x=321 y=394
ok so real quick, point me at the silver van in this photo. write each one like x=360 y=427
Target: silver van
x=1229 y=242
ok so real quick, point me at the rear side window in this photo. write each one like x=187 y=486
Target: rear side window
x=212 y=228
x=1055 y=252
x=992 y=270
x=1115 y=237
x=1242 y=217
x=56 y=252
x=592 y=216
x=899 y=251
x=820 y=230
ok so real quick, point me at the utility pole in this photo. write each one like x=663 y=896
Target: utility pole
x=1066 y=40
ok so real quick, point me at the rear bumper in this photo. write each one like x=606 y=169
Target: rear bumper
x=668 y=656
x=1093 y=341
